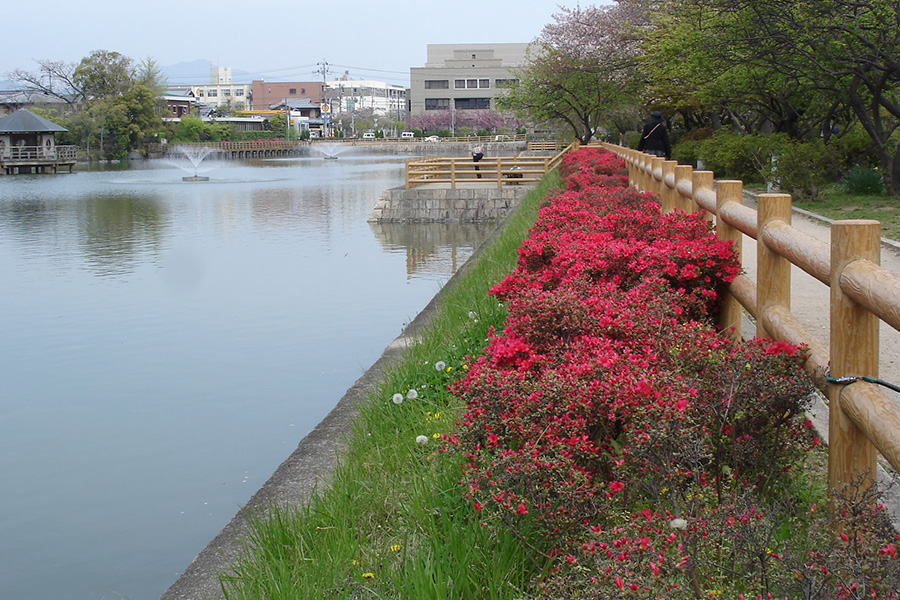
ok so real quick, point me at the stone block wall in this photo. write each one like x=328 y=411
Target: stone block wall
x=444 y=205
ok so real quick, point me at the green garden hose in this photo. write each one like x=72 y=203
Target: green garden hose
x=853 y=378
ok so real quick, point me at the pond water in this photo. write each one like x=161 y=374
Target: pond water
x=166 y=344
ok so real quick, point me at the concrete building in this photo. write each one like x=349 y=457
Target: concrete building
x=463 y=76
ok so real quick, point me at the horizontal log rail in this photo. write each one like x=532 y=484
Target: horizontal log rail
x=502 y=170
x=862 y=417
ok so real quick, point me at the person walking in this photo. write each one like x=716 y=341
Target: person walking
x=655 y=138
x=477 y=154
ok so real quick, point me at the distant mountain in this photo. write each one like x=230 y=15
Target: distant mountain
x=196 y=72
x=6 y=85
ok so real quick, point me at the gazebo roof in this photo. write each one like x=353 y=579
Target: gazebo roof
x=25 y=121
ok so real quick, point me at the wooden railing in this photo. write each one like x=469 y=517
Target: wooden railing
x=26 y=154
x=460 y=139
x=227 y=146
x=862 y=417
x=543 y=145
x=502 y=170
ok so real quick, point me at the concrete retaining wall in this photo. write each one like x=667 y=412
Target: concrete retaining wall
x=427 y=204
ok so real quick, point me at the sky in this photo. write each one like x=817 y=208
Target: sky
x=274 y=40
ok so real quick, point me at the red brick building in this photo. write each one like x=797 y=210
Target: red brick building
x=266 y=93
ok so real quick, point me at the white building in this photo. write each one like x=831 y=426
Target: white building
x=221 y=91
x=346 y=96
x=463 y=76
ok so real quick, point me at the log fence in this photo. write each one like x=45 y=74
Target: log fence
x=862 y=417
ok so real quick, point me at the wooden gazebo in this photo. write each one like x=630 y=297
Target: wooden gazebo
x=28 y=145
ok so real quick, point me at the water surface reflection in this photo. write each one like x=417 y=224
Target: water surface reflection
x=166 y=344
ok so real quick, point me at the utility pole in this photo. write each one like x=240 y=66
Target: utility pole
x=323 y=69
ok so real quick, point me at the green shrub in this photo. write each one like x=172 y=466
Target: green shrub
x=744 y=157
x=864 y=181
x=854 y=147
x=630 y=139
x=805 y=169
x=687 y=152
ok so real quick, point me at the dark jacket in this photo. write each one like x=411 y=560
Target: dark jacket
x=655 y=138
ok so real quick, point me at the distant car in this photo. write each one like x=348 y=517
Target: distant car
x=407 y=135
x=368 y=135
x=433 y=138
x=502 y=138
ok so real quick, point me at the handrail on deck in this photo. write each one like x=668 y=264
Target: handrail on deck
x=502 y=169
x=862 y=418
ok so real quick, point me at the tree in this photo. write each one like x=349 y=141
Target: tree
x=694 y=69
x=54 y=78
x=102 y=74
x=582 y=66
x=845 y=49
x=432 y=120
x=128 y=119
x=149 y=73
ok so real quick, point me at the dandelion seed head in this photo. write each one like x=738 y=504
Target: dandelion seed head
x=412 y=394
x=422 y=439
x=440 y=365
x=398 y=398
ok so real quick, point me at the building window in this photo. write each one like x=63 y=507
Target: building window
x=437 y=103
x=472 y=103
x=292 y=91
x=239 y=92
x=226 y=92
x=437 y=84
x=471 y=84
x=200 y=93
x=506 y=82
x=212 y=93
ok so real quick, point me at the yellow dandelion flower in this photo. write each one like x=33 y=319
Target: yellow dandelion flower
x=368 y=575
x=395 y=548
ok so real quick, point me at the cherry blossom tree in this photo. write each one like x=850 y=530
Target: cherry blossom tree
x=582 y=66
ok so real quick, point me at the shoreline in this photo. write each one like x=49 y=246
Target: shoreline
x=312 y=462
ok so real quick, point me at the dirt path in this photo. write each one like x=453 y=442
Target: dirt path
x=810 y=298
x=810 y=305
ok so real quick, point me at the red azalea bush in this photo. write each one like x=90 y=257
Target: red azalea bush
x=609 y=389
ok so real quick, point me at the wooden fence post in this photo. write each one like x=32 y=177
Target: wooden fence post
x=656 y=183
x=730 y=312
x=701 y=180
x=629 y=165
x=641 y=174
x=682 y=173
x=773 y=272
x=667 y=195
x=854 y=351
